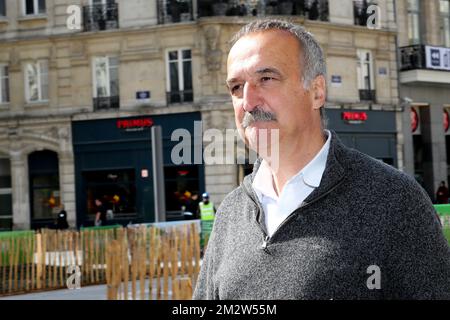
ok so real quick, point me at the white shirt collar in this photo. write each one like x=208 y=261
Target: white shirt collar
x=311 y=174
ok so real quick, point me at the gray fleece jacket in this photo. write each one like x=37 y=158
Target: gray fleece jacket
x=365 y=222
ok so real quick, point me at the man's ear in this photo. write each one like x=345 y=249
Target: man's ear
x=319 y=88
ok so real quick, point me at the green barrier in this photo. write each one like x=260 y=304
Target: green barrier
x=114 y=226
x=10 y=239
x=444 y=213
x=15 y=234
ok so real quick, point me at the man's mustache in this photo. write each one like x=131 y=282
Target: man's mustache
x=257 y=115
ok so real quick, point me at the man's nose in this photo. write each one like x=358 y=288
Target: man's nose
x=251 y=97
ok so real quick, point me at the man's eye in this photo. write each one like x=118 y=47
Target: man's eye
x=264 y=79
x=235 y=88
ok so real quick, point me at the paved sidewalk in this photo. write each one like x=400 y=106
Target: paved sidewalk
x=97 y=292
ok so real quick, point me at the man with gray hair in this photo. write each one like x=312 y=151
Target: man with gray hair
x=318 y=220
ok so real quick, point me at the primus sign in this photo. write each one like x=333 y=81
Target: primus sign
x=134 y=124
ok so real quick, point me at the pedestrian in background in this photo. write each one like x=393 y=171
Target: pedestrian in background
x=442 y=193
x=61 y=219
x=100 y=216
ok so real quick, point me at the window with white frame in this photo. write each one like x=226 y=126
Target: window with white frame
x=32 y=7
x=445 y=21
x=414 y=21
x=106 y=77
x=36 y=81
x=366 y=81
x=179 y=76
x=2 y=8
x=4 y=84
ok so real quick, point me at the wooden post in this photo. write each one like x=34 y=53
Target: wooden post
x=23 y=264
x=85 y=254
x=109 y=267
x=69 y=260
x=174 y=261
x=133 y=262
x=98 y=247
x=87 y=251
x=197 y=253
x=158 y=266
x=33 y=260
x=176 y=289
x=183 y=251
x=44 y=259
x=38 y=260
x=185 y=288
x=62 y=257
x=151 y=258
x=143 y=261
x=91 y=256
x=126 y=262
x=55 y=236
x=16 y=262
x=48 y=251
x=48 y=265
x=107 y=240
x=166 y=266
x=113 y=273
x=78 y=245
x=27 y=262
x=190 y=252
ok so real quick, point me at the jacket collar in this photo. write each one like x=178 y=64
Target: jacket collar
x=335 y=170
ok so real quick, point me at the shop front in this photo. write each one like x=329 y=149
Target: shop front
x=114 y=163
x=371 y=132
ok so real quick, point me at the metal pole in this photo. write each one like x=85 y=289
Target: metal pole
x=158 y=174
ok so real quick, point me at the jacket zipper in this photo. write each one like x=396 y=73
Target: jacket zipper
x=266 y=240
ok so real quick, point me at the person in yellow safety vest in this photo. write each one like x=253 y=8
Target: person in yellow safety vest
x=206 y=208
x=206 y=212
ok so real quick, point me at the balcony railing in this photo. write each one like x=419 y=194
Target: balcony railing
x=412 y=57
x=101 y=17
x=421 y=56
x=367 y=95
x=179 y=96
x=173 y=11
x=106 y=103
x=311 y=9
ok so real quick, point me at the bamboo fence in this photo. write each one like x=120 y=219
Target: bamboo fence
x=153 y=264
x=46 y=260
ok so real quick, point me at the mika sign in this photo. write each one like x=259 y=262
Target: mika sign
x=354 y=117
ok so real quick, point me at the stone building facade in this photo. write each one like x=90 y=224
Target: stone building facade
x=165 y=62
x=424 y=63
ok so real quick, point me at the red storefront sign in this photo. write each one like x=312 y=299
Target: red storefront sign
x=354 y=117
x=134 y=123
